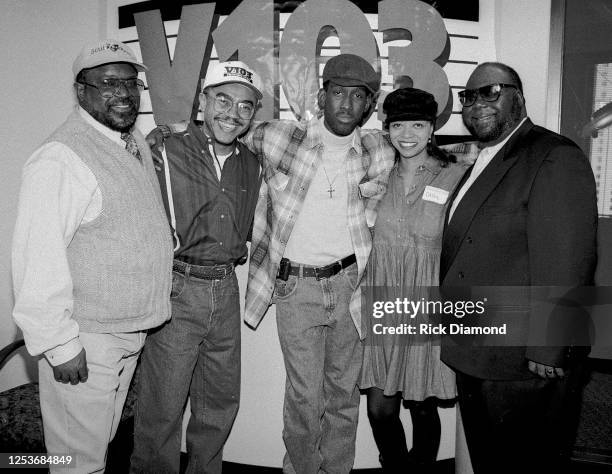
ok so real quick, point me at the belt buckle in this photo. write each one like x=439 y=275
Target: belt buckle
x=218 y=272
x=227 y=269
x=316 y=272
x=182 y=269
x=328 y=269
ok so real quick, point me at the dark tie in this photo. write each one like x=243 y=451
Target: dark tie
x=130 y=144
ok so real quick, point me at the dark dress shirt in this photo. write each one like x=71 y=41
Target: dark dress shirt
x=213 y=217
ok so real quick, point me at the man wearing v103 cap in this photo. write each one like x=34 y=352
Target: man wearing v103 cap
x=310 y=245
x=92 y=257
x=210 y=184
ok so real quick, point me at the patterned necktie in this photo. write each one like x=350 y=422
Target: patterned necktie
x=130 y=145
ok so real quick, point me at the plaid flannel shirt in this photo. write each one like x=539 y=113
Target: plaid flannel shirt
x=289 y=153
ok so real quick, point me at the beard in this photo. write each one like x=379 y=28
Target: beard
x=500 y=127
x=115 y=120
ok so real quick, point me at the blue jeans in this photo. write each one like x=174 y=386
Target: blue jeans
x=195 y=354
x=322 y=354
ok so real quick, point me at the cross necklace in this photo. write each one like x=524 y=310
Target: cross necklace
x=331 y=189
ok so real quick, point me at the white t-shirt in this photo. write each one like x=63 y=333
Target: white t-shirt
x=320 y=234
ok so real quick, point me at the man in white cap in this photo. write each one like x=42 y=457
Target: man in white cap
x=92 y=256
x=210 y=184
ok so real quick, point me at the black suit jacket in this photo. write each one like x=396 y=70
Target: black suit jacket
x=529 y=219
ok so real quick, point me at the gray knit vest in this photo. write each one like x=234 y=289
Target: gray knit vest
x=121 y=262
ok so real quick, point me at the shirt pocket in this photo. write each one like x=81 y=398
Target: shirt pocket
x=432 y=220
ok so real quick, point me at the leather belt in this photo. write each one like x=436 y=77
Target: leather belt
x=204 y=272
x=322 y=272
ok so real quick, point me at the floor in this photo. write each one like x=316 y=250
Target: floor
x=592 y=454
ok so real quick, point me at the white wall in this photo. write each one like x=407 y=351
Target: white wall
x=40 y=39
x=522 y=36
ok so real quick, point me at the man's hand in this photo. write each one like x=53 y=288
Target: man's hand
x=545 y=371
x=73 y=371
x=155 y=140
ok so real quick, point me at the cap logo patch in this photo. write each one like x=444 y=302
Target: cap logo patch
x=234 y=71
x=110 y=46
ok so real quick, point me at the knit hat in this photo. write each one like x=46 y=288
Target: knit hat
x=409 y=104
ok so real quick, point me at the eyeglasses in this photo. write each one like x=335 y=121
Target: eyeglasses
x=488 y=93
x=111 y=86
x=223 y=103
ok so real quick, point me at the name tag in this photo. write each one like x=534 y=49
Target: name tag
x=437 y=195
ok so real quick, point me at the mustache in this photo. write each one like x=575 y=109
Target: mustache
x=227 y=118
x=124 y=101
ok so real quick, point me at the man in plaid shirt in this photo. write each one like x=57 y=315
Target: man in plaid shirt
x=309 y=247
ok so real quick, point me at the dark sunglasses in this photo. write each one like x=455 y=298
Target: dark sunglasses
x=489 y=93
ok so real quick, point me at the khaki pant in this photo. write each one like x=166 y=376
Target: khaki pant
x=80 y=420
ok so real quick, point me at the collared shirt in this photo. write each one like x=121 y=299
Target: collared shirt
x=291 y=152
x=416 y=218
x=482 y=161
x=212 y=216
x=58 y=194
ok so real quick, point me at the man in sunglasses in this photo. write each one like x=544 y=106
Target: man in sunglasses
x=210 y=185
x=92 y=256
x=524 y=216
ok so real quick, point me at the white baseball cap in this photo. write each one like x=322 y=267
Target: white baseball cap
x=105 y=52
x=233 y=72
